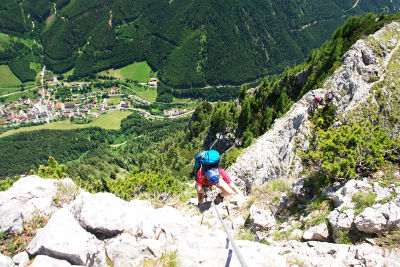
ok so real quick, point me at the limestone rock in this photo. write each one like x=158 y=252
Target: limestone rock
x=11 y=216
x=46 y=261
x=6 y=261
x=299 y=189
x=393 y=214
x=124 y=250
x=21 y=259
x=283 y=204
x=102 y=213
x=317 y=233
x=297 y=234
x=26 y=197
x=64 y=238
x=370 y=221
x=341 y=220
x=397 y=190
x=261 y=219
x=381 y=192
x=343 y=197
x=273 y=155
x=34 y=194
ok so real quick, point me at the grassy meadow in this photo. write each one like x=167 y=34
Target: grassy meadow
x=7 y=78
x=139 y=71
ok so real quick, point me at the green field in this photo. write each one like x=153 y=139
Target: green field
x=115 y=101
x=7 y=78
x=139 y=71
x=146 y=92
x=4 y=37
x=111 y=120
x=68 y=73
x=36 y=67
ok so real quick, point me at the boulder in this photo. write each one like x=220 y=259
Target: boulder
x=21 y=259
x=261 y=219
x=296 y=234
x=381 y=192
x=370 y=255
x=392 y=213
x=64 y=238
x=11 y=220
x=34 y=194
x=300 y=190
x=123 y=250
x=318 y=233
x=397 y=190
x=283 y=204
x=102 y=214
x=341 y=220
x=371 y=221
x=6 y=261
x=46 y=261
x=342 y=198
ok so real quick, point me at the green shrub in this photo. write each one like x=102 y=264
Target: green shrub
x=348 y=151
x=65 y=193
x=52 y=171
x=152 y=182
x=6 y=183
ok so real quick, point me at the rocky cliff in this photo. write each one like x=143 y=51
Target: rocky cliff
x=103 y=230
x=365 y=65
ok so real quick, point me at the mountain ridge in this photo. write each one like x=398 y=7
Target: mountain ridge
x=193 y=44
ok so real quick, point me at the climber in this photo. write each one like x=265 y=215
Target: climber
x=208 y=173
x=211 y=176
x=329 y=97
x=315 y=102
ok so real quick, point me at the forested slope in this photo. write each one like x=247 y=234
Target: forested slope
x=168 y=146
x=189 y=43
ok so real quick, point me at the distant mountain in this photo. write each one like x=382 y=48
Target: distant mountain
x=190 y=43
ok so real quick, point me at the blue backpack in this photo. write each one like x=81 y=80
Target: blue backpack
x=206 y=158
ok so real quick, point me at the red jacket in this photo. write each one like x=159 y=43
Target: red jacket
x=202 y=179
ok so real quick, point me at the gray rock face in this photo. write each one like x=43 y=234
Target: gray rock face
x=150 y=232
x=299 y=189
x=381 y=192
x=126 y=250
x=370 y=221
x=283 y=204
x=317 y=233
x=21 y=259
x=101 y=213
x=273 y=155
x=11 y=216
x=6 y=261
x=261 y=219
x=28 y=196
x=391 y=211
x=342 y=198
x=34 y=193
x=45 y=261
x=341 y=220
x=64 y=238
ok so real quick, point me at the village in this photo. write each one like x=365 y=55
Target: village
x=61 y=101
